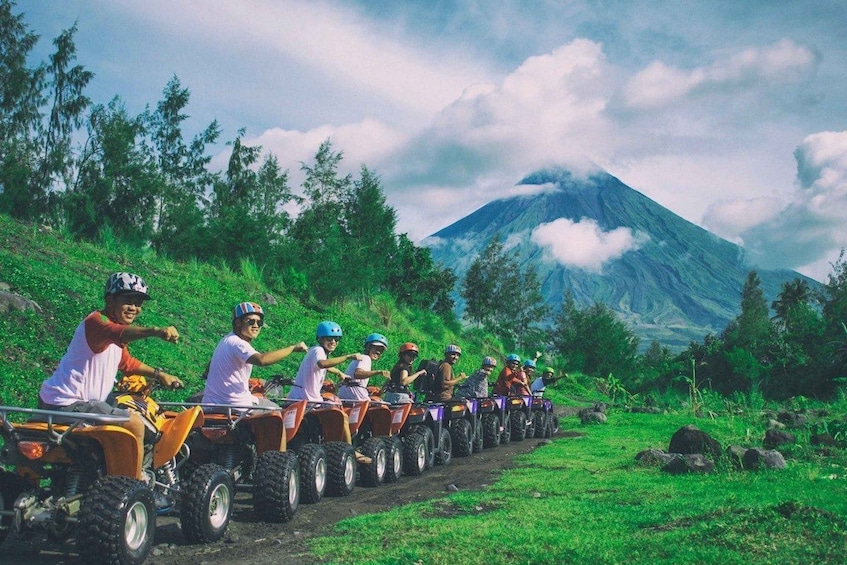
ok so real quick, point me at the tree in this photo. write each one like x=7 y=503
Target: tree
x=370 y=225
x=501 y=297
x=414 y=278
x=20 y=100
x=115 y=184
x=66 y=84
x=595 y=342
x=183 y=177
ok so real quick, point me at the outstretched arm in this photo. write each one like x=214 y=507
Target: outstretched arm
x=271 y=357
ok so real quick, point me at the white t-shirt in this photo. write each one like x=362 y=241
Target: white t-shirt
x=355 y=392
x=537 y=385
x=229 y=373
x=310 y=376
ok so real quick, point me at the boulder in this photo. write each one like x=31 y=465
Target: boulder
x=10 y=301
x=735 y=453
x=689 y=463
x=690 y=440
x=653 y=457
x=756 y=458
x=587 y=417
x=774 y=438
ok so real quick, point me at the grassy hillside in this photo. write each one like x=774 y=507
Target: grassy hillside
x=65 y=278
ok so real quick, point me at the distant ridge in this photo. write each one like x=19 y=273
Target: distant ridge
x=675 y=284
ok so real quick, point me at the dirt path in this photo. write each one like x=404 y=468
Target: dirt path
x=250 y=541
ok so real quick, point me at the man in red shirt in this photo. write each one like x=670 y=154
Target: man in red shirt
x=98 y=350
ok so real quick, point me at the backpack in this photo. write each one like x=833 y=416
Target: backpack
x=425 y=383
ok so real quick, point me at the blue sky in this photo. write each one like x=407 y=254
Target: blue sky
x=731 y=114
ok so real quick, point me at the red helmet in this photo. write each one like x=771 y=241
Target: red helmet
x=408 y=346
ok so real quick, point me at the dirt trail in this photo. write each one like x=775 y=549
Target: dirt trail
x=250 y=541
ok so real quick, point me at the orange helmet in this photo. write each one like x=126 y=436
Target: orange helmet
x=408 y=346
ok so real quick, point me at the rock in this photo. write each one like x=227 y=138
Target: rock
x=653 y=457
x=756 y=458
x=774 y=438
x=452 y=488
x=689 y=463
x=824 y=439
x=10 y=301
x=775 y=425
x=736 y=455
x=269 y=299
x=592 y=418
x=689 y=440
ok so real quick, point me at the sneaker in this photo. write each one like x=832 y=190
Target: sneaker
x=164 y=502
x=363 y=459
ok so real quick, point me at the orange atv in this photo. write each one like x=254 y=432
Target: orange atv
x=249 y=442
x=319 y=435
x=76 y=472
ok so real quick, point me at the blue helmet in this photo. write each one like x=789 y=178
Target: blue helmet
x=328 y=329
x=529 y=363
x=377 y=339
x=513 y=357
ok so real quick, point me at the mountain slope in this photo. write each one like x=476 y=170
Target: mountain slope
x=678 y=283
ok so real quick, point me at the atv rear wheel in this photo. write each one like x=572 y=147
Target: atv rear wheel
x=313 y=472
x=394 y=467
x=414 y=454
x=373 y=475
x=490 y=430
x=276 y=489
x=462 y=439
x=117 y=521
x=518 y=425
x=207 y=500
x=444 y=453
x=341 y=468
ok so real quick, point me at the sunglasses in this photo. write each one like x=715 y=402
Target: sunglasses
x=253 y=322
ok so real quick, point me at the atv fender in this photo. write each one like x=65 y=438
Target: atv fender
x=120 y=448
x=399 y=414
x=174 y=432
x=333 y=423
x=293 y=416
x=380 y=417
x=268 y=431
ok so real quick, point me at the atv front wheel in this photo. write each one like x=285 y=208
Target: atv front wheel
x=312 y=459
x=477 y=435
x=414 y=453
x=490 y=430
x=506 y=433
x=276 y=490
x=394 y=467
x=444 y=454
x=11 y=487
x=539 y=424
x=341 y=467
x=206 y=504
x=518 y=425
x=429 y=438
x=373 y=475
x=117 y=522
x=462 y=438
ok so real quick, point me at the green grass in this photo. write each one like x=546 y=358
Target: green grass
x=584 y=499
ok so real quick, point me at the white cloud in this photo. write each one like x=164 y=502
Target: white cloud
x=583 y=244
x=730 y=218
x=660 y=84
x=808 y=232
